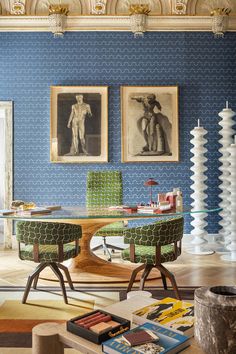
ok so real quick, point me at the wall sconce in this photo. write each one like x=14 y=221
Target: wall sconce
x=138 y=19
x=56 y=17
x=220 y=21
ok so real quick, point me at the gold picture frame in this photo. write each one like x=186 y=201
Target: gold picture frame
x=150 y=127
x=79 y=124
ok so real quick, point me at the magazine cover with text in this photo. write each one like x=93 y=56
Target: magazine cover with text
x=169 y=312
x=168 y=342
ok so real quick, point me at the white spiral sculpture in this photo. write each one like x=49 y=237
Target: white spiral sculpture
x=198 y=188
x=227 y=133
x=232 y=204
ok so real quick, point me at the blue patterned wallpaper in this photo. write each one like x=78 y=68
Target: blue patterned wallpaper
x=202 y=67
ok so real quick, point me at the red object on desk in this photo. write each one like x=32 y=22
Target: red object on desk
x=131 y=209
x=149 y=183
x=158 y=211
x=172 y=200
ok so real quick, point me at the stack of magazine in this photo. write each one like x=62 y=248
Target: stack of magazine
x=174 y=314
x=167 y=341
x=171 y=321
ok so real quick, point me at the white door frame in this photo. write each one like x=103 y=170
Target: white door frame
x=7 y=106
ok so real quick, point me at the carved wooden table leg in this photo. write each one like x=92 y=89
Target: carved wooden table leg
x=46 y=339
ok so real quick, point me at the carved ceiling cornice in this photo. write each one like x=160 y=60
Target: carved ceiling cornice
x=112 y=15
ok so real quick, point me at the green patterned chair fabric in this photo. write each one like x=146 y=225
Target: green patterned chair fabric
x=47 y=244
x=147 y=254
x=53 y=241
x=161 y=233
x=153 y=245
x=115 y=229
x=104 y=189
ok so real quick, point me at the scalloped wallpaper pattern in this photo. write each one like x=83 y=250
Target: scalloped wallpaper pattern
x=202 y=67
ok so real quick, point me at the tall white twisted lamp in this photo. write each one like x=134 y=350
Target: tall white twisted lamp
x=199 y=187
x=231 y=247
x=226 y=140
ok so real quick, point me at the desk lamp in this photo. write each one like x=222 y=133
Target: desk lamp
x=150 y=182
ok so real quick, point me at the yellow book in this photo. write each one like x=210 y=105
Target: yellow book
x=171 y=313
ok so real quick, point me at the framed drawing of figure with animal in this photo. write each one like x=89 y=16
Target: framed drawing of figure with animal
x=150 y=124
x=79 y=124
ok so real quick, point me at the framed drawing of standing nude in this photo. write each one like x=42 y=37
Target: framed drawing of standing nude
x=150 y=124
x=79 y=124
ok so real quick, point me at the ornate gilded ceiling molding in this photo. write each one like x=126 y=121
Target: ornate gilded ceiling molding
x=204 y=7
x=98 y=7
x=191 y=7
x=18 y=8
x=121 y=7
x=166 y=6
x=165 y=15
x=111 y=23
x=40 y=7
x=6 y=7
x=179 y=7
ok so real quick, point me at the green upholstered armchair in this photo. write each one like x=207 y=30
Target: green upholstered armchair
x=153 y=245
x=48 y=244
x=104 y=188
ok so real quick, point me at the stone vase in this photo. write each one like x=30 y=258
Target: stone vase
x=215 y=319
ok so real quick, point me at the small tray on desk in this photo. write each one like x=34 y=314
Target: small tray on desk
x=124 y=325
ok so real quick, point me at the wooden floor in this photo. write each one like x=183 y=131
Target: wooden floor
x=189 y=270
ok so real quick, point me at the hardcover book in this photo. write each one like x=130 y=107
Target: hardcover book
x=7 y=212
x=147 y=209
x=139 y=337
x=171 y=313
x=53 y=207
x=35 y=211
x=168 y=342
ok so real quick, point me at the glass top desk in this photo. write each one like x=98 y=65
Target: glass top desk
x=91 y=220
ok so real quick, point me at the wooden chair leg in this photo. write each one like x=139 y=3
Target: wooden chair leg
x=171 y=277
x=37 y=276
x=133 y=276
x=67 y=274
x=57 y=272
x=163 y=277
x=35 y=282
x=145 y=274
x=31 y=277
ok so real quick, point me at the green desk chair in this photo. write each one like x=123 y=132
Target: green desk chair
x=103 y=190
x=153 y=245
x=48 y=244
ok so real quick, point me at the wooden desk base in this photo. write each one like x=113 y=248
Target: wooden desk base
x=100 y=270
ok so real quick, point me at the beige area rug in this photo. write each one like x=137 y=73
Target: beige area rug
x=44 y=309
x=17 y=319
